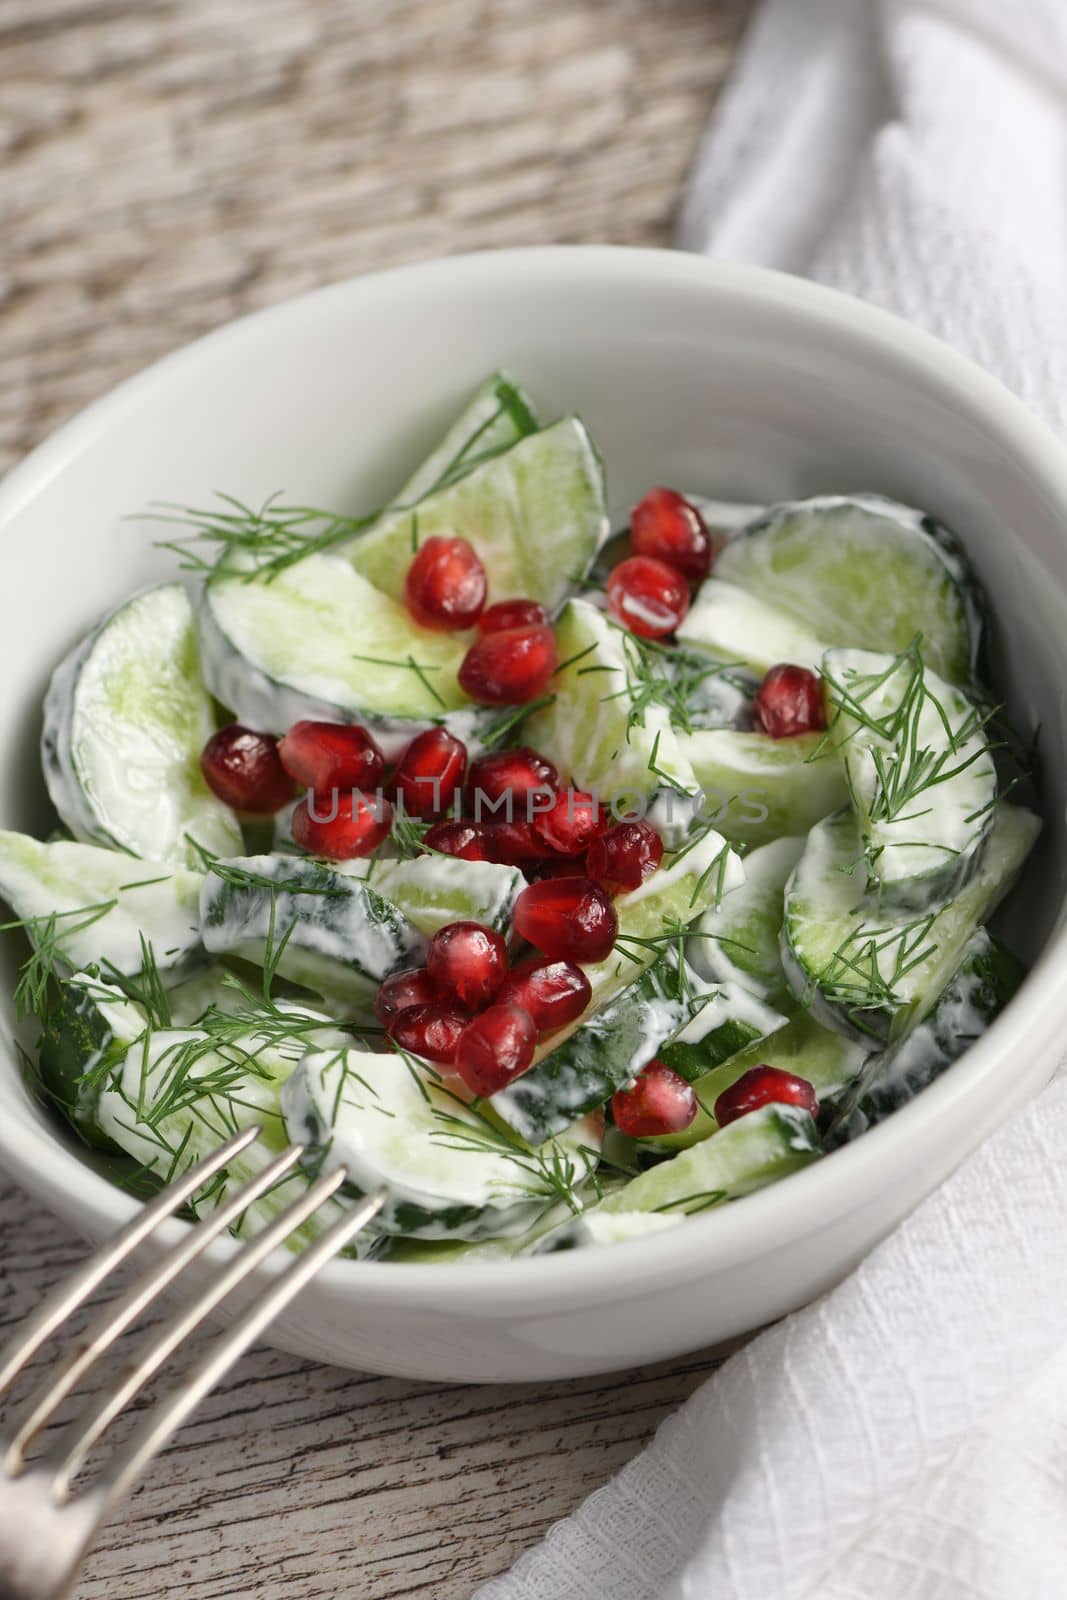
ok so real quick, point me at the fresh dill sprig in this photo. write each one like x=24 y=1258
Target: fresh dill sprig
x=48 y=936
x=409 y=664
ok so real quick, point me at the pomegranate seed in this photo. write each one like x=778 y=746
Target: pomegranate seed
x=558 y=867
x=789 y=701
x=341 y=826
x=243 y=769
x=510 y=667
x=569 y=919
x=762 y=1086
x=659 y=1102
x=467 y=963
x=647 y=596
x=446 y=585
x=511 y=614
x=511 y=844
x=575 y=820
x=666 y=526
x=403 y=990
x=516 y=774
x=553 y=992
x=430 y=772
x=495 y=1048
x=432 y=1031
x=331 y=755
x=626 y=857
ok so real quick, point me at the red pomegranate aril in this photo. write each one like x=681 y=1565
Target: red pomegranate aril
x=647 y=596
x=468 y=963
x=511 y=614
x=510 y=844
x=403 y=990
x=626 y=856
x=242 y=768
x=466 y=840
x=511 y=667
x=331 y=755
x=665 y=525
x=556 y=867
x=575 y=820
x=763 y=1086
x=446 y=584
x=519 y=774
x=789 y=701
x=432 y=1031
x=430 y=773
x=495 y=1048
x=659 y=1102
x=553 y=992
x=568 y=919
x=341 y=826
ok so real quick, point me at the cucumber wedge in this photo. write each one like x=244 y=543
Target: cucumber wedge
x=737 y=940
x=88 y=1028
x=600 y=1227
x=317 y=640
x=328 y=932
x=726 y=1019
x=919 y=770
x=432 y=890
x=536 y=516
x=96 y=907
x=863 y=570
x=757 y=788
x=732 y=624
x=450 y=1171
x=874 y=976
x=595 y=730
x=498 y=416
x=125 y=719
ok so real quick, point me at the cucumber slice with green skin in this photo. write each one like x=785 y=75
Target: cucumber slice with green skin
x=830 y=1062
x=919 y=770
x=125 y=719
x=596 y=732
x=732 y=624
x=105 y=904
x=714 y=695
x=757 y=788
x=331 y=933
x=450 y=1171
x=726 y=1019
x=868 y=974
x=88 y=1028
x=985 y=981
x=451 y=1252
x=862 y=569
x=747 y=1154
x=536 y=516
x=317 y=640
x=499 y=415
x=737 y=940
x=600 y=1227
x=434 y=890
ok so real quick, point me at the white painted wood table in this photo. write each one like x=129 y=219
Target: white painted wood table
x=166 y=165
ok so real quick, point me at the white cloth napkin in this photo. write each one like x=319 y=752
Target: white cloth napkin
x=905 y=1438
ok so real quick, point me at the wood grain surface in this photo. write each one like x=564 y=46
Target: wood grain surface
x=166 y=165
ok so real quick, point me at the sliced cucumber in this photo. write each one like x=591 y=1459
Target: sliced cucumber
x=433 y=890
x=97 y=907
x=863 y=570
x=498 y=416
x=710 y=694
x=597 y=733
x=755 y=1150
x=536 y=516
x=919 y=770
x=600 y=1227
x=726 y=1019
x=737 y=940
x=88 y=1028
x=331 y=933
x=317 y=640
x=732 y=624
x=868 y=974
x=450 y=1171
x=987 y=977
x=125 y=719
x=757 y=788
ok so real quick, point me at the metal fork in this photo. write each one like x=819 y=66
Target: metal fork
x=46 y=1527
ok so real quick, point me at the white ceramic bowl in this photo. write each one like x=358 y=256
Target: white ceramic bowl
x=742 y=383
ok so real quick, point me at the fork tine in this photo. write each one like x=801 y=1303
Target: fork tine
x=83 y=1433
x=167 y=1415
x=69 y=1294
x=117 y=1316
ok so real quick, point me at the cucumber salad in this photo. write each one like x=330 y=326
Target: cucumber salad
x=565 y=881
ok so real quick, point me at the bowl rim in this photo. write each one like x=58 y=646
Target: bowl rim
x=775 y=1216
